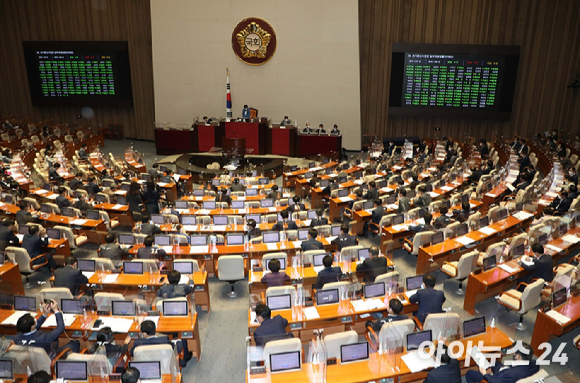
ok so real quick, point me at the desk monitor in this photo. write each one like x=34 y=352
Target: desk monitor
x=123 y=308
x=220 y=220
x=414 y=283
x=133 y=267
x=464 y=198
x=282 y=263
x=121 y=200
x=311 y=165
x=489 y=263
x=442 y=183
x=302 y=234
x=267 y=202
x=368 y=205
x=328 y=171
x=125 y=186
x=109 y=184
x=157 y=219
x=473 y=327
x=411 y=194
x=100 y=198
x=559 y=297
x=358 y=162
x=519 y=207
x=86 y=265
x=188 y=219
x=215 y=182
x=72 y=306
x=502 y=214
x=163 y=169
x=428 y=188
x=399 y=219
x=446 y=203
x=311 y=214
x=484 y=222
x=488 y=187
x=279 y=302
x=53 y=233
x=198 y=192
x=162 y=240
x=44 y=208
x=517 y=251
x=374 y=290
x=251 y=192
x=358 y=175
x=72 y=371
x=437 y=238
x=293 y=168
x=341 y=180
x=181 y=205
x=23 y=229
x=148 y=370
x=263 y=181
x=363 y=254
x=126 y=239
x=335 y=230
x=461 y=229
x=6 y=369
x=234 y=239
x=185 y=268
x=271 y=237
x=46 y=187
x=317 y=259
x=326 y=297
x=198 y=240
x=67 y=212
x=364 y=187
x=255 y=217
x=238 y=204
x=415 y=339
x=391 y=200
x=354 y=352
x=285 y=361
x=93 y=214
x=543 y=239
x=175 y=308
x=2 y=258
x=24 y=303
x=209 y=205
x=308 y=175
x=382 y=184
x=324 y=183
x=563 y=229
x=166 y=179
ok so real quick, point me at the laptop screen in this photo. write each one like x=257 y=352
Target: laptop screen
x=53 y=233
x=6 y=369
x=181 y=205
x=374 y=290
x=282 y=263
x=414 y=283
x=133 y=267
x=484 y=222
x=220 y=220
x=354 y=352
x=324 y=183
x=461 y=229
x=271 y=237
x=123 y=308
x=183 y=267
x=489 y=263
x=175 y=308
x=126 y=239
x=317 y=259
x=234 y=239
x=474 y=327
x=398 y=219
x=285 y=361
x=86 y=265
x=72 y=306
x=311 y=214
x=157 y=219
x=100 y=198
x=198 y=240
x=464 y=198
x=502 y=214
x=363 y=254
x=93 y=214
x=437 y=238
x=263 y=181
x=255 y=217
x=23 y=303
x=188 y=219
x=517 y=251
x=303 y=234
x=325 y=297
x=198 y=192
x=559 y=297
x=335 y=230
x=67 y=212
x=368 y=205
x=44 y=208
x=237 y=204
x=251 y=192
x=162 y=240
x=543 y=239
x=279 y=302
x=72 y=371
x=415 y=339
x=342 y=193
x=121 y=200
x=147 y=370
x=209 y=205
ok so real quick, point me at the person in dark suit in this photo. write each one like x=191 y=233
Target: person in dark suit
x=61 y=201
x=448 y=371
x=307 y=129
x=424 y=198
x=223 y=197
x=297 y=206
x=92 y=187
x=41 y=377
x=443 y=220
x=344 y=239
x=524 y=162
x=33 y=243
x=394 y=315
x=152 y=197
x=23 y=216
x=148 y=252
x=507 y=374
x=76 y=182
x=311 y=243
x=373 y=193
x=376 y=216
x=488 y=167
x=270 y=328
x=483 y=149
x=275 y=278
x=274 y=193
x=373 y=266
x=464 y=213
x=7 y=236
x=525 y=149
x=423 y=227
x=559 y=205
x=390 y=148
x=83 y=155
x=111 y=250
x=82 y=204
x=573 y=192
x=516 y=144
x=148 y=329
x=173 y=289
x=541 y=267
x=285 y=224
x=237 y=186
x=430 y=301
x=69 y=276
x=335 y=130
x=53 y=173
x=404 y=202
x=319 y=220
x=329 y=274
x=320 y=129
x=253 y=230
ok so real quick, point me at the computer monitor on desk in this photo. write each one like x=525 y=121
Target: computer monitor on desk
x=474 y=327
x=279 y=302
x=72 y=306
x=326 y=297
x=123 y=308
x=198 y=240
x=24 y=303
x=363 y=254
x=354 y=352
x=181 y=205
x=368 y=205
x=415 y=339
x=399 y=219
x=147 y=370
x=311 y=214
x=6 y=369
x=489 y=263
x=86 y=265
x=238 y=204
x=372 y=290
x=271 y=237
x=198 y=192
x=209 y=205
x=121 y=200
x=188 y=219
x=93 y=214
x=185 y=268
x=72 y=371
x=220 y=220
x=317 y=259
x=559 y=297
x=517 y=251
x=414 y=283
x=285 y=361
x=67 y=212
x=175 y=308
x=302 y=234
x=484 y=222
x=234 y=239
x=126 y=239
x=282 y=263
x=44 y=208
x=335 y=230
x=502 y=214
x=53 y=233
x=133 y=267
x=437 y=238
x=461 y=230
x=162 y=240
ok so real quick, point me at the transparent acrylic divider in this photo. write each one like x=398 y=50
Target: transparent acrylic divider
x=98 y=365
x=392 y=346
x=24 y=360
x=451 y=330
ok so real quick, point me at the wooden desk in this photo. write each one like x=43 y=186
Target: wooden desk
x=132 y=163
x=289 y=178
x=10 y=279
x=119 y=212
x=432 y=256
x=95 y=230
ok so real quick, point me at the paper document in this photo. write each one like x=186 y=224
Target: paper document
x=552 y=195
x=420 y=221
x=544 y=202
x=571 y=238
x=558 y=317
x=198 y=249
x=88 y=274
x=522 y=215
x=491 y=195
x=13 y=319
x=359 y=306
x=487 y=230
x=433 y=195
x=41 y=191
x=345 y=199
x=464 y=240
x=554 y=248
x=375 y=303
x=52 y=196
x=510 y=186
x=479 y=357
x=162 y=184
x=121 y=325
x=397 y=167
x=272 y=246
x=318 y=269
x=203 y=211
x=392 y=206
x=176 y=177
x=507 y=268
x=330 y=239
x=167 y=249
x=118 y=206
x=410 y=293
x=307 y=222
x=297 y=244
x=111 y=278
x=219 y=227
x=311 y=313
x=447 y=188
x=401 y=227
x=78 y=222
x=418 y=363
x=68 y=320
x=272 y=209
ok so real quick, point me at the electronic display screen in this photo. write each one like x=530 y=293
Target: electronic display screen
x=374 y=290
x=237 y=204
x=23 y=303
x=474 y=327
x=271 y=237
x=183 y=267
x=363 y=254
x=188 y=219
x=209 y=205
x=317 y=259
x=72 y=306
x=302 y=234
x=220 y=220
x=175 y=308
x=414 y=340
x=53 y=233
x=126 y=308
x=162 y=240
x=414 y=283
x=198 y=240
x=559 y=297
x=79 y=73
x=234 y=239
x=147 y=370
x=489 y=263
x=86 y=265
x=73 y=371
x=354 y=352
x=6 y=369
x=285 y=361
x=326 y=297
x=93 y=214
x=181 y=205
x=133 y=267
x=279 y=302
x=126 y=239
x=157 y=219
x=335 y=230
x=311 y=214
x=342 y=193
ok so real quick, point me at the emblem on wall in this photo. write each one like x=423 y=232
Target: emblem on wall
x=254 y=41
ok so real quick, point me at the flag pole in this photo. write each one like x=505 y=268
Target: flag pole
x=228 y=97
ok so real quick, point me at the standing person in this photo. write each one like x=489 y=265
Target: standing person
x=135 y=199
x=152 y=196
x=376 y=216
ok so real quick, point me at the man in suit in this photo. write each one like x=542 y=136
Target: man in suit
x=253 y=230
x=270 y=328
x=430 y=301
x=329 y=274
x=297 y=206
x=53 y=173
x=275 y=277
x=83 y=155
x=344 y=239
x=424 y=198
x=23 y=216
x=476 y=174
x=33 y=243
x=153 y=172
x=507 y=374
x=559 y=205
x=111 y=250
x=464 y=213
x=92 y=187
x=146 y=227
x=525 y=149
x=82 y=204
x=376 y=216
x=319 y=220
x=43 y=377
x=223 y=197
x=373 y=266
x=488 y=167
x=69 y=276
x=524 y=162
x=390 y=149
x=404 y=202
x=7 y=236
x=335 y=130
x=321 y=129
x=285 y=224
x=285 y=121
x=540 y=265
x=237 y=186
x=516 y=144
x=274 y=193
x=148 y=252
x=373 y=193
x=443 y=220
x=448 y=371
x=76 y=182
x=61 y=201
x=423 y=227
x=172 y=289
x=483 y=149
x=394 y=315
x=311 y=243
x=148 y=329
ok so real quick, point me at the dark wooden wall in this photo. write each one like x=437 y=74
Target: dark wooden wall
x=548 y=32
x=78 y=20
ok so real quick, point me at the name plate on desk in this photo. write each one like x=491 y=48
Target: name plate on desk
x=257 y=269
x=347 y=319
x=296 y=326
x=199 y=288
x=187 y=335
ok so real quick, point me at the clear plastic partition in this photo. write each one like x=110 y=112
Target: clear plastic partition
x=392 y=346
x=98 y=365
x=562 y=281
x=393 y=284
x=27 y=360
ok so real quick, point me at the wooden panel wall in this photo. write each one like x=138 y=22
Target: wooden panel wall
x=548 y=32
x=78 y=20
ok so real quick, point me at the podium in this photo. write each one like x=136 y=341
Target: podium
x=282 y=141
x=233 y=147
x=253 y=132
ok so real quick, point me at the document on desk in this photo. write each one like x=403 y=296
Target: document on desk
x=544 y=202
x=446 y=188
x=510 y=186
x=154 y=319
x=433 y=195
x=198 y=249
x=522 y=215
x=121 y=325
x=571 y=238
x=507 y=268
x=392 y=206
x=490 y=195
x=410 y=293
x=359 y=305
x=68 y=320
x=311 y=313
x=167 y=249
x=552 y=194
x=272 y=246
x=330 y=239
x=13 y=319
x=219 y=227
x=345 y=199
x=88 y=274
x=41 y=191
x=479 y=357
x=78 y=222
x=487 y=230
x=162 y=184
x=397 y=167
x=272 y=209
x=297 y=244
x=307 y=222
x=558 y=317
x=203 y=211
x=118 y=207
x=53 y=196
x=400 y=227
x=111 y=278
x=318 y=269
x=375 y=303
x=420 y=221
x=358 y=182
x=189 y=228
x=464 y=240
x=417 y=362
x=554 y=248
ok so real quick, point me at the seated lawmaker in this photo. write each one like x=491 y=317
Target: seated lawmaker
x=394 y=314
x=335 y=130
x=430 y=301
x=541 y=265
x=329 y=274
x=285 y=121
x=23 y=216
x=69 y=276
x=312 y=243
x=275 y=277
x=112 y=250
x=76 y=182
x=507 y=374
x=319 y=220
x=150 y=337
x=274 y=193
x=146 y=227
x=423 y=227
x=297 y=206
x=148 y=252
x=285 y=224
x=223 y=196
x=448 y=371
x=172 y=289
x=61 y=201
x=237 y=186
x=464 y=213
x=82 y=204
x=307 y=129
x=7 y=236
x=373 y=266
x=270 y=328
x=33 y=243
x=253 y=230
x=320 y=129
x=344 y=239
x=376 y=216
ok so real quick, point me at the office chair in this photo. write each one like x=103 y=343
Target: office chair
x=231 y=269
